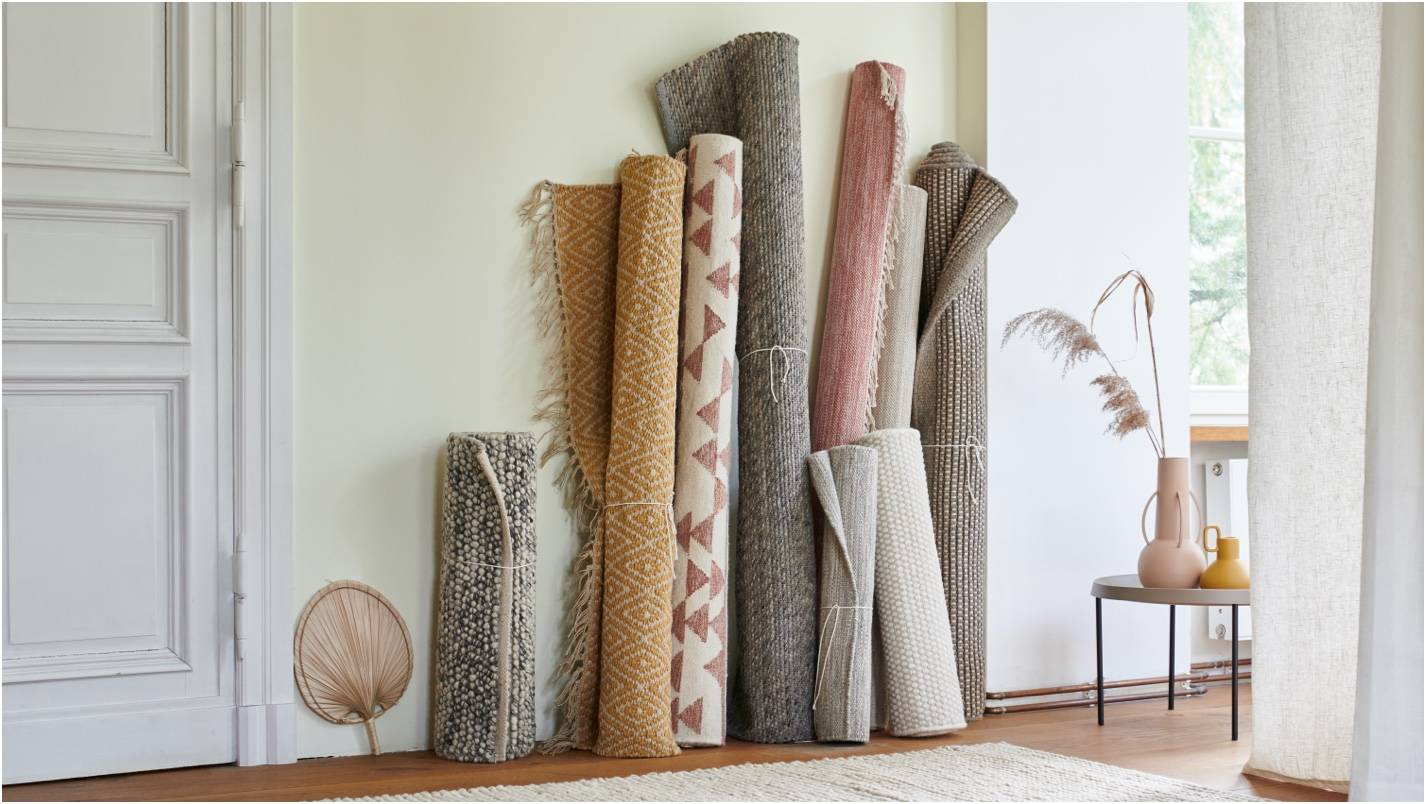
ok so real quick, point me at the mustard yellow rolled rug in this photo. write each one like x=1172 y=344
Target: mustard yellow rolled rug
x=611 y=260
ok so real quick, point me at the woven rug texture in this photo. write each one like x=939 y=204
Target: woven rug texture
x=896 y=361
x=712 y=225
x=749 y=89
x=864 y=247
x=965 y=210
x=918 y=672
x=844 y=480
x=983 y=772
x=618 y=665
x=485 y=629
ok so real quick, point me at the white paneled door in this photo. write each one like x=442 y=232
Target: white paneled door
x=118 y=344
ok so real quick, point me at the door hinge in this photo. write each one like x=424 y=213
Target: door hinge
x=241 y=579
x=239 y=166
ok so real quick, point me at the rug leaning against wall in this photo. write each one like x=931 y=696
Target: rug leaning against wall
x=966 y=209
x=712 y=225
x=984 y=772
x=486 y=624
x=749 y=89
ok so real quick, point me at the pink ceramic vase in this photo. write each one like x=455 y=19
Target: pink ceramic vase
x=1171 y=559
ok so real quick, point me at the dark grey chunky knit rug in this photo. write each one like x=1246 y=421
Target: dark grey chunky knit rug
x=965 y=210
x=485 y=640
x=748 y=89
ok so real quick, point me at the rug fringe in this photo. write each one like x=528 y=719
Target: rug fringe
x=891 y=242
x=552 y=410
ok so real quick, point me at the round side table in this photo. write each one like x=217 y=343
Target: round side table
x=1127 y=587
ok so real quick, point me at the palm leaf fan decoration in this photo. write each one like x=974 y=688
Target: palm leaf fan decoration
x=352 y=655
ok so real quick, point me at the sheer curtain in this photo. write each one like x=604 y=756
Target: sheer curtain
x=1329 y=361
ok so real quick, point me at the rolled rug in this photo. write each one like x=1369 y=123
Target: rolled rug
x=864 y=248
x=712 y=223
x=484 y=707
x=923 y=695
x=575 y=234
x=844 y=479
x=619 y=305
x=896 y=362
x=748 y=89
x=965 y=210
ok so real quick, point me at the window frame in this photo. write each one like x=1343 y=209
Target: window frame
x=1217 y=405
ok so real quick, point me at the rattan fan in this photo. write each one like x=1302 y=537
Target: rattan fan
x=351 y=655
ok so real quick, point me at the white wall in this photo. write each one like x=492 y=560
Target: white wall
x=419 y=129
x=1086 y=124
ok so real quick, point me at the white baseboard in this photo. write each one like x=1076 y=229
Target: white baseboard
x=267 y=734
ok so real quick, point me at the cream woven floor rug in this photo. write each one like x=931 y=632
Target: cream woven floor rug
x=985 y=772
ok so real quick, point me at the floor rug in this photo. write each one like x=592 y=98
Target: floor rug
x=984 y=772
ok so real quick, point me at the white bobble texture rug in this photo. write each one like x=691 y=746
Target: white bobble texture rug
x=982 y=772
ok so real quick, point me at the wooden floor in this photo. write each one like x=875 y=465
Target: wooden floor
x=1189 y=743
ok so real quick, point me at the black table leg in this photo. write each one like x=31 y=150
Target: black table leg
x=1171 y=630
x=1235 y=672
x=1099 y=656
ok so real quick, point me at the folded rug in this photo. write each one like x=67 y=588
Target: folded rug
x=712 y=223
x=896 y=362
x=965 y=210
x=485 y=636
x=918 y=670
x=844 y=479
x=748 y=89
x=618 y=664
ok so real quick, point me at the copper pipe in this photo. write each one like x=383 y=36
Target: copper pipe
x=1190 y=692
x=1219 y=663
x=1189 y=678
x=1243 y=675
x=1086 y=687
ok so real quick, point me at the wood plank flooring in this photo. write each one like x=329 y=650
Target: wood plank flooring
x=1190 y=743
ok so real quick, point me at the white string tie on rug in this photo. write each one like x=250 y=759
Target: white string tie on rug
x=772 y=382
x=832 y=618
x=977 y=449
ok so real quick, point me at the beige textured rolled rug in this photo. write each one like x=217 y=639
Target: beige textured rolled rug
x=844 y=480
x=618 y=660
x=712 y=226
x=965 y=210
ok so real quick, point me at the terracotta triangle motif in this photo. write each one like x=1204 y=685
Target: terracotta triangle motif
x=677 y=667
x=709 y=412
x=707 y=329
x=703 y=237
x=704 y=198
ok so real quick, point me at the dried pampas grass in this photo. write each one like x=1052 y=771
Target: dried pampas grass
x=1072 y=344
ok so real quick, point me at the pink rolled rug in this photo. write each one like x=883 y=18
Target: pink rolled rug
x=863 y=249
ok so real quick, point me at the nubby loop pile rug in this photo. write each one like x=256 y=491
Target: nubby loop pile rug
x=484 y=708
x=613 y=258
x=966 y=209
x=985 y=772
x=712 y=227
x=748 y=89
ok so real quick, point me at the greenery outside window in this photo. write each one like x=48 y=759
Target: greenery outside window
x=1218 y=291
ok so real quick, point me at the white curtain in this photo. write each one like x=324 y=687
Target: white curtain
x=1315 y=79
x=1386 y=745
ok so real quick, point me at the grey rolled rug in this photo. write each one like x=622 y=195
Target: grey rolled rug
x=485 y=637
x=965 y=210
x=844 y=479
x=748 y=89
x=918 y=671
x=896 y=360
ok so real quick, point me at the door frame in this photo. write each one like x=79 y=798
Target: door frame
x=262 y=51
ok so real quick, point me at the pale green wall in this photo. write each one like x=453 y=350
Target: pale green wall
x=419 y=129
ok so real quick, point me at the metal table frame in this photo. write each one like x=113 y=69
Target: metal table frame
x=1128 y=588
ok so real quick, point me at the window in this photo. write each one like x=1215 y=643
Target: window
x=1217 y=259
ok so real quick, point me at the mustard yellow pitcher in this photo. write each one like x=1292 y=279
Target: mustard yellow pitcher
x=1228 y=570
